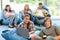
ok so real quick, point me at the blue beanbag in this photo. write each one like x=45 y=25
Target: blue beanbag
x=11 y=35
x=0 y=16
x=20 y=14
x=6 y=22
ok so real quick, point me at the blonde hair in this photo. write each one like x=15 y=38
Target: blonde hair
x=26 y=5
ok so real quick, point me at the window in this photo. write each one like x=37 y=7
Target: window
x=53 y=5
x=11 y=0
x=0 y=5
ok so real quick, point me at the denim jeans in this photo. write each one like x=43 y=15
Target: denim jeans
x=12 y=18
x=50 y=38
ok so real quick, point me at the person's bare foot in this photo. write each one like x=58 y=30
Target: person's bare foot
x=10 y=26
x=15 y=25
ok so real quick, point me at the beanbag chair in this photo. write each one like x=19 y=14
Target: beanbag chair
x=0 y=16
x=5 y=22
x=20 y=15
x=11 y=35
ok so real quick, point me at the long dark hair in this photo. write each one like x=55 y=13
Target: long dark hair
x=6 y=8
x=28 y=24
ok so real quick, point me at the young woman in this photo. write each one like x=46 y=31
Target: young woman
x=27 y=10
x=10 y=16
x=50 y=32
x=28 y=24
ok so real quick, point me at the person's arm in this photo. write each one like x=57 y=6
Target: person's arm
x=21 y=24
x=31 y=32
x=23 y=13
x=58 y=33
x=4 y=14
x=57 y=37
x=45 y=12
x=39 y=37
x=41 y=34
x=32 y=28
x=35 y=12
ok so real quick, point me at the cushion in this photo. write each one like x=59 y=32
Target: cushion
x=11 y=35
x=37 y=32
x=5 y=22
x=37 y=28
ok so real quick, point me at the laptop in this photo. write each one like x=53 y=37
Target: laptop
x=21 y=31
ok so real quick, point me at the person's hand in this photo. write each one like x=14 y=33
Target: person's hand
x=34 y=14
x=5 y=17
x=29 y=33
x=56 y=38
x=45 y=14
x=38 y=37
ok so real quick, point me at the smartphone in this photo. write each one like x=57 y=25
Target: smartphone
x=44 y=37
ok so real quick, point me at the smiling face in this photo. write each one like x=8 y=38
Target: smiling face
x=40 y=6
x=26 y=19
x=8 y=8
x=48 y=23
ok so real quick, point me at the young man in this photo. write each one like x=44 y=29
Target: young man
x=50 y=32
x=40 y=11
x=40 y=14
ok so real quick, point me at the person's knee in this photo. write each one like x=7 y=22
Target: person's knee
x=33 y=37
x=50 y=38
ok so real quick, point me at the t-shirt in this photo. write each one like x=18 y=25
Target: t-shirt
x=52 y=31
x=40 y=12
x=11 y=13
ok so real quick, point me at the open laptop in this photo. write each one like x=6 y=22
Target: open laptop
x=21 y=31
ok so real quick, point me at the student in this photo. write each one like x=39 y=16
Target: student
x=28 y=24
x=10 y=16
x=40 y=11
x=39 y=14
x=50 y=32
x=27 y=10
